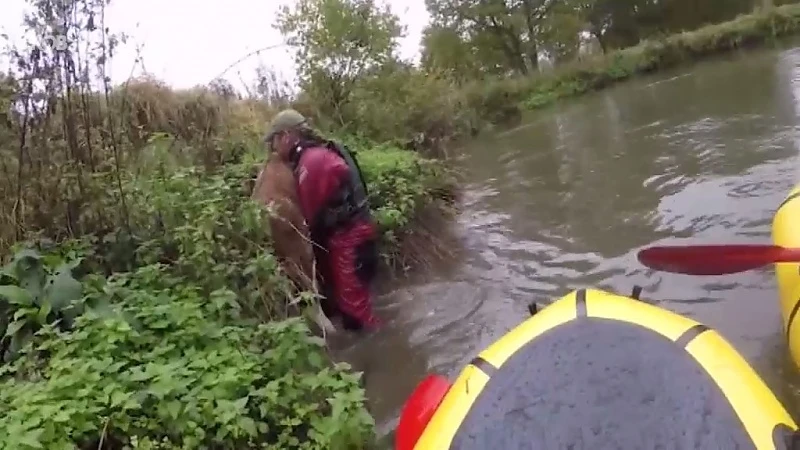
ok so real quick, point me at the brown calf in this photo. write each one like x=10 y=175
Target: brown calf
x=276 y=186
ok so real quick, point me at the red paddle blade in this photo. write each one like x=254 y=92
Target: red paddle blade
x=714 y=259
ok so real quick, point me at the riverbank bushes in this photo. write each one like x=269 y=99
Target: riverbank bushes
x=156 y=316
x=141 y=305
x=173 y=330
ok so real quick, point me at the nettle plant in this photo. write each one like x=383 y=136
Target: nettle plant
x=37 y=290
x=208 y=231
x=166 y=367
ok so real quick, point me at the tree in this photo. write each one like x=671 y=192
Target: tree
x=443 y=50
x=560 y=32
x=337 y=41
x=473 y=38
x=508 y=27
x=622 y=23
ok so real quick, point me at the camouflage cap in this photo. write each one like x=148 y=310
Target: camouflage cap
x=285 y=120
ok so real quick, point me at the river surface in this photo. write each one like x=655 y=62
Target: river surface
x=564 y=201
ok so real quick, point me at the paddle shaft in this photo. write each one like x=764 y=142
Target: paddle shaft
x=788 y=255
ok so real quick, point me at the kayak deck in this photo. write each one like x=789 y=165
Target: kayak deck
x=595 y=370
x=600 y=383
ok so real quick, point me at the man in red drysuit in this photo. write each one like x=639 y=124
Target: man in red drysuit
x=333 y=198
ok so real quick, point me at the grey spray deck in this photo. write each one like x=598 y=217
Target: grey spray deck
x=601 y=384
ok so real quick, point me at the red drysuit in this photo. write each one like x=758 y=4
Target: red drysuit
x=349 y=259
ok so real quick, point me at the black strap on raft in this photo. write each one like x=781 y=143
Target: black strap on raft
x=533 y=308
x=784 y=438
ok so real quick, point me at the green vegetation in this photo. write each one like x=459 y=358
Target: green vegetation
x=151 y=362
x=141 y=305
x=179 y=347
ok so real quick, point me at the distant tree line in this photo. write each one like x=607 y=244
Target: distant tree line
x=472 y=38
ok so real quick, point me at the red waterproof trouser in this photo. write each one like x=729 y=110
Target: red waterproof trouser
x=349 y=268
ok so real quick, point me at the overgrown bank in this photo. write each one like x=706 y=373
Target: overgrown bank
x=141 y=305
x=154 y=314
x=745 y=31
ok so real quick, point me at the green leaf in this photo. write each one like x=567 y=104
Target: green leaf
x=248 y=425
x=174 y=408
x=31 y=276
x=44 y=311
x=315 y=360
x=16 y=295
x=62 y=288
x=241 y=403
x=31 y=438
x=51 y=260
x=118 y=398
x=14 y=327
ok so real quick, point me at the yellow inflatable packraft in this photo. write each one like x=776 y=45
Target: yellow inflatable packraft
x=596 y=370
x=788 y=274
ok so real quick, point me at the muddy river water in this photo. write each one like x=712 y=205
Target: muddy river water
x=702 y=154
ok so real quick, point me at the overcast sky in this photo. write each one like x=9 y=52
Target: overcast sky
x=189 y=42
